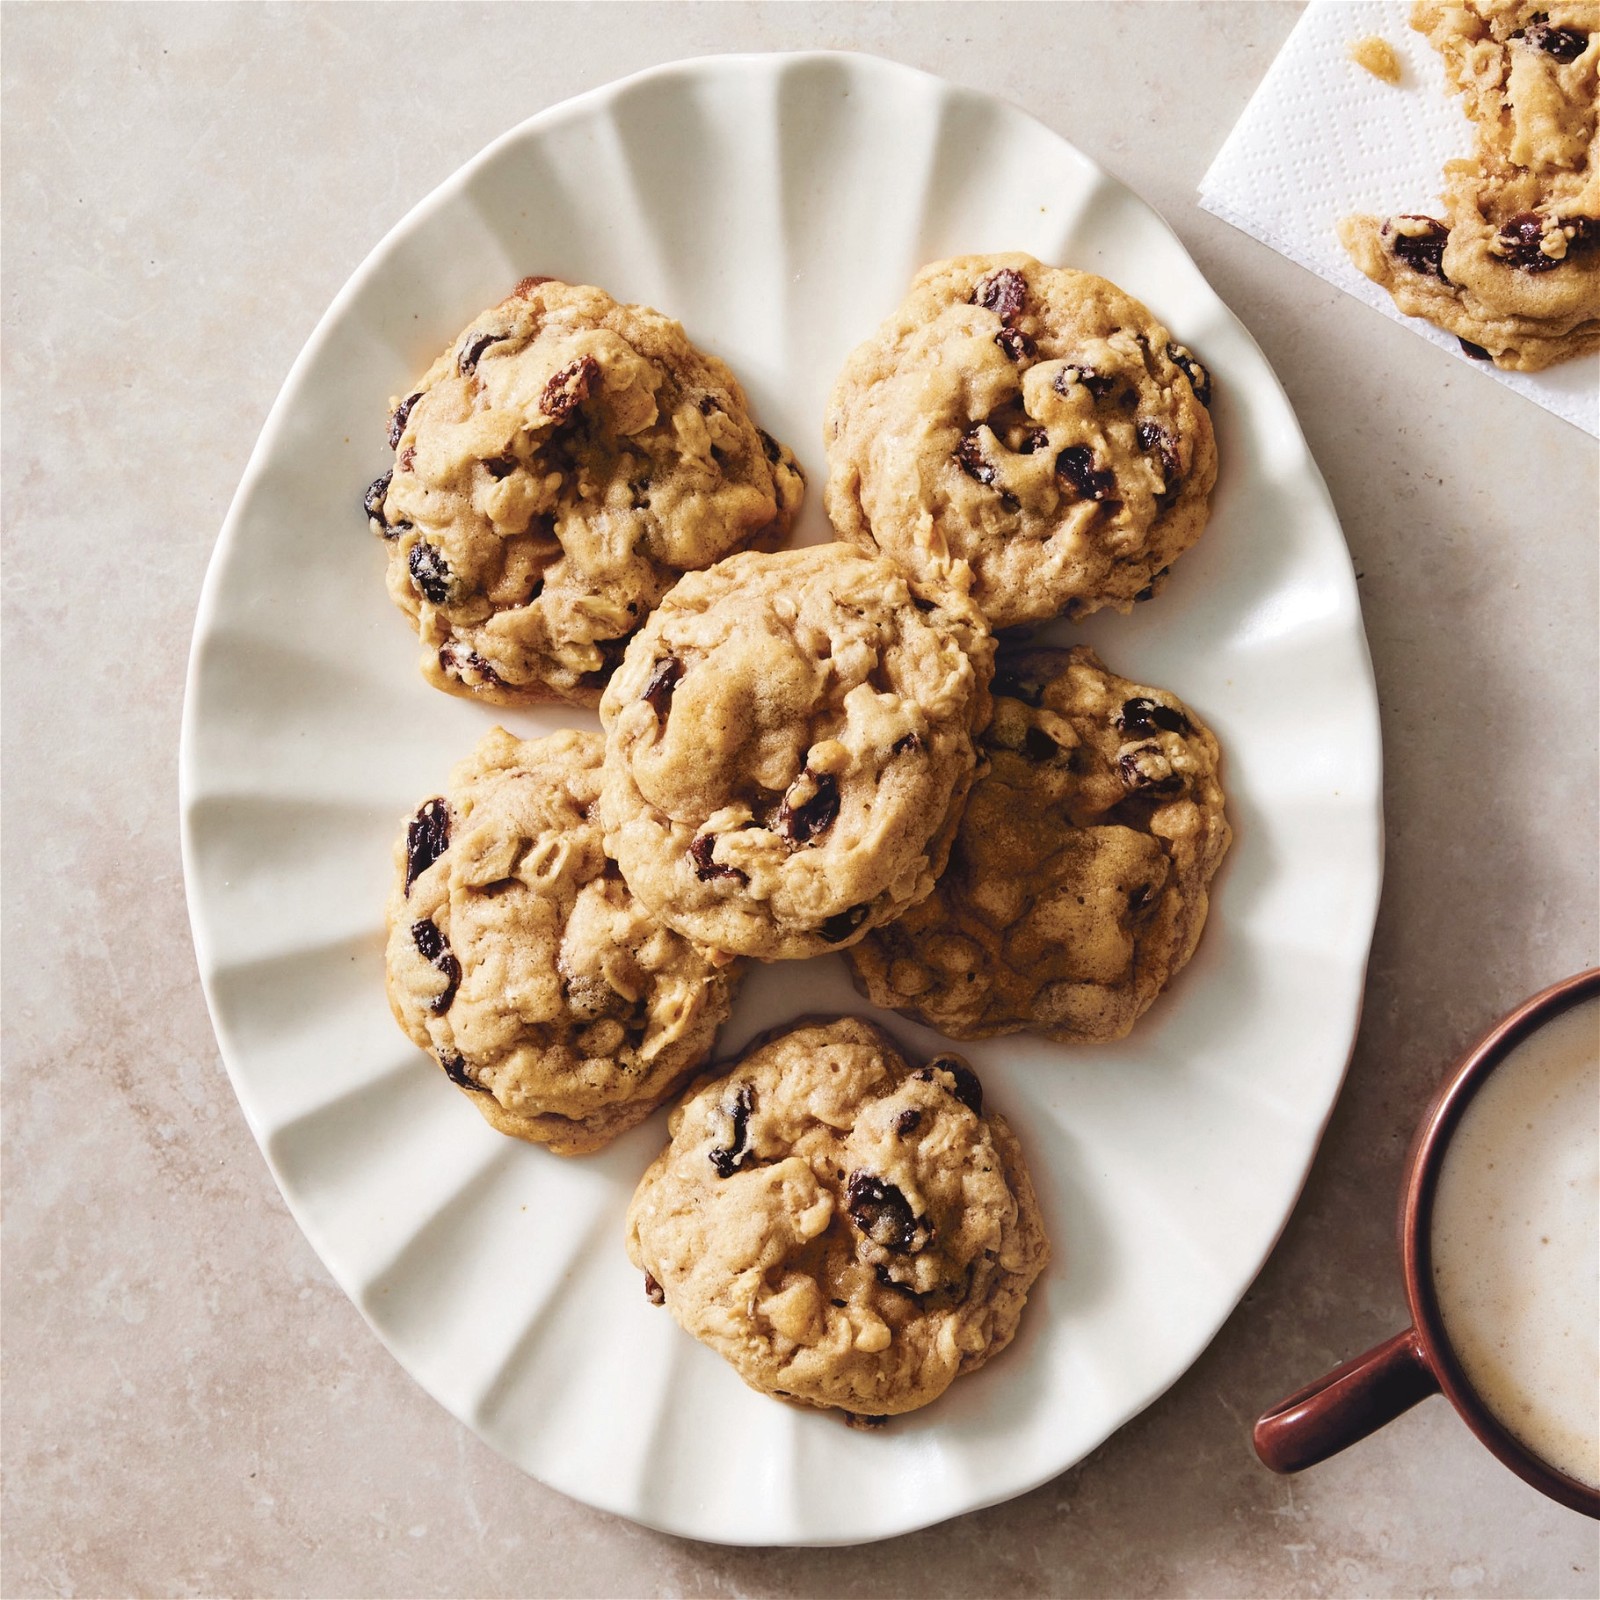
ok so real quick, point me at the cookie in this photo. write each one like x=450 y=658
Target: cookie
x=517 y=956
x=556 y=470
x=1025 y=434
x=1512 y=268
x=1079 y=879
x=789 y=740
x=844 y=1229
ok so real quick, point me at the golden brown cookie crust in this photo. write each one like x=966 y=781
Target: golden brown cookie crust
x=789 y=740
x=1079 y=881
x=1025 y=434
x=556 y=470
x=518 y=958
x=1512 y=266
x=847 y=1230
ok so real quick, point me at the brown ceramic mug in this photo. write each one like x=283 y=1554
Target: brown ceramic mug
x=1360 y=1396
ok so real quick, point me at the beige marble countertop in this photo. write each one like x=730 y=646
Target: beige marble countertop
x=190 y=1405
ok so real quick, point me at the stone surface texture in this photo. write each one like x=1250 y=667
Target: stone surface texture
x=191 y=1406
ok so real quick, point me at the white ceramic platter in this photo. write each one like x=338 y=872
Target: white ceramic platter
x=777 y=205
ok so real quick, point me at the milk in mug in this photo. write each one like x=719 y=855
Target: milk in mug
x=1516 y=1242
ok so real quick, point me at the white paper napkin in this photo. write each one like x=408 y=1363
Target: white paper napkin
x=1322 y=138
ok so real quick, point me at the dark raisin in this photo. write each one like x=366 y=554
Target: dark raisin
x=1002 y=292
x=1149 y=590
x=881 y=1212
x=430 y=572
x=1039 y=746
x=839 y=1303
x=906 y=744
x=908 y=1121
x=1476 y=351
x=817 y=811
x=407 y=456
x=968 y=1089
x=1137 y=781
x=970 y=458
x=1033 y=439
x=455 y=1069
x=842 y=924
x=397 y=423
x=1075 y=467
x=373 y=499
x=501 y=466
x=458 y=660
x=770 y=447
x=889 y=1281
x=658 y=691
x=1423 y=252
x=705 y=868
x=653 y=1292
x=435 y=948
x=1519 y=244
x=427 y=838
x=1153 y=437
x=862 y=1422
x=1098 y=385
x=1565 y=44
x=1141 y=900
x=472 y=351
x=1140 y=717
x=569 y=388
x=1009 y=681
x=728 y=1158
x=1199 y=378
x=1015 y=343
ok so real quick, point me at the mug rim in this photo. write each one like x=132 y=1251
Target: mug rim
x=1422 y=1181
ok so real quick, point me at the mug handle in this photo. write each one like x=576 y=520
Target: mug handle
x=1347 y=1404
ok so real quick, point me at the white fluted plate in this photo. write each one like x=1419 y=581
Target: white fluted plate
x=777 y=205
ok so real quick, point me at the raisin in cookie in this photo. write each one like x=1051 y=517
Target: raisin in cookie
x=1513 y=266
x=846 y=1230
x=789 y=740
x=555 y=471
x=518 y=957
x=1026 y=434
x=1078 y=882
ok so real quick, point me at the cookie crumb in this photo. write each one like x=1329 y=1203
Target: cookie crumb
x=1377 y=56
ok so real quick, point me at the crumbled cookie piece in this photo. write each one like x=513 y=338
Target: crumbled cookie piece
x=1376 y=55
x=1512 y=267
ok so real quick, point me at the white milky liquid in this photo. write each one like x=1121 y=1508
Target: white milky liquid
x=1516 y=1242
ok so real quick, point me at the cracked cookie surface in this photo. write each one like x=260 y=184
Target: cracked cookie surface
x=556 y=470
x=847 y=1230
x=1079 y=880
x=1512 y=268
x=1027 y=434
x=518 y=957
x=789 y=740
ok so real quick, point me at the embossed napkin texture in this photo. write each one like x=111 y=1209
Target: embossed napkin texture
x=1322 y=137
